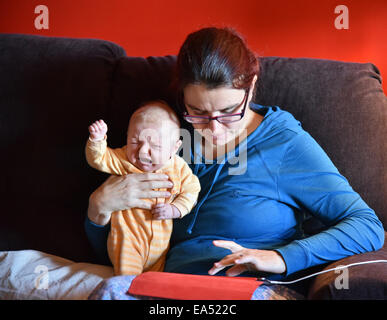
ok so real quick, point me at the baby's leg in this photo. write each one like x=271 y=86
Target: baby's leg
x=123 y=251
x=159 y=245
x=157 y=266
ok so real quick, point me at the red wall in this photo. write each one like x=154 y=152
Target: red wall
x=297 y=28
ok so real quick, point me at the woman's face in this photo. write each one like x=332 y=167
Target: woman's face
x=201 y=101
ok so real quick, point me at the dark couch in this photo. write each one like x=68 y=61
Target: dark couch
x=51 y=89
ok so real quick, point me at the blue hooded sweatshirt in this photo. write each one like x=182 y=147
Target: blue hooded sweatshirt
x=286 y=177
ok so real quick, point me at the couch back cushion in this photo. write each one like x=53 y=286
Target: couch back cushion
x=50 y=90
x=135 y=81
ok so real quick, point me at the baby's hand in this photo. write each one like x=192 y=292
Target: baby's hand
x=98 y=130
x=163 y=211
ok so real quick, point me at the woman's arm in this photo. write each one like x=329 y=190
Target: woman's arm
x=95 y=213
x=308 y=180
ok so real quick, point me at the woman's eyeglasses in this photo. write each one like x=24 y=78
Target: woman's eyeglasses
x=228 y=118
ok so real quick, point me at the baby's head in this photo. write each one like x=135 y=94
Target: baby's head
x=153 y=136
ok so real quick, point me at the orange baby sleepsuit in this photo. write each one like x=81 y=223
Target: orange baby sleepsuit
x=136 y=242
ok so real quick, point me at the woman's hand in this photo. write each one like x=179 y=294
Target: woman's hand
x=243 y=259
x=125 y=192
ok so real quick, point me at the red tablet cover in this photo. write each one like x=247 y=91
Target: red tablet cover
x=193 y=287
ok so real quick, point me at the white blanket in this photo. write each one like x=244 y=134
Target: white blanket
x=35 y=275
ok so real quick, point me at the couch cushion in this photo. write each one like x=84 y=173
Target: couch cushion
x=135 y=81
x=359 y=282
x=51 y=89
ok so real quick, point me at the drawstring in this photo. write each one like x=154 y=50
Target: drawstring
x=196 y=172
x=189 y=230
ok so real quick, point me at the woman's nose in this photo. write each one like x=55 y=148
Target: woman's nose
x=214 y=126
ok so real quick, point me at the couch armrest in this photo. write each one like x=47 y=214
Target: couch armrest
x=365 y=282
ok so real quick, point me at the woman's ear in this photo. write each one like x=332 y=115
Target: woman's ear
x=253 y=83
x=177 y=145
x=252 y=88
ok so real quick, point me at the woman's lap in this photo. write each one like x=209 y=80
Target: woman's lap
x=116 y=288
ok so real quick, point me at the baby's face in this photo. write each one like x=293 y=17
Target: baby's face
x=149 y=145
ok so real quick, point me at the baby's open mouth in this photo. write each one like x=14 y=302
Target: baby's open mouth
x=145 y=161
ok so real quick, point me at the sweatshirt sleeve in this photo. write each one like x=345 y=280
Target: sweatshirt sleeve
x=97 y=236
x=189 y=191
x=307 y=179
x=104 y=159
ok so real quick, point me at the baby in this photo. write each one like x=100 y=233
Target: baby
x=139 y=239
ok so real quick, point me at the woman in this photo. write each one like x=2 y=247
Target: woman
x=256 y=214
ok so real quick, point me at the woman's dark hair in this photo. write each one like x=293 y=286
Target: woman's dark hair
x=215 y=57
